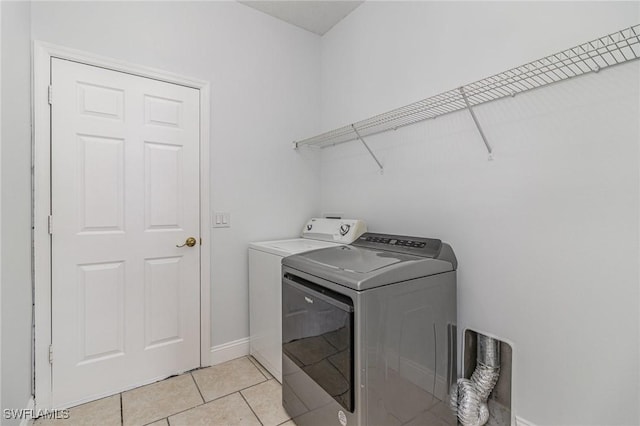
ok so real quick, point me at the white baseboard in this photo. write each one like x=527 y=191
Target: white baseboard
x=30 y=408
x=417 y=373
x=230 y=350
x=422 y=377
x=521 y=422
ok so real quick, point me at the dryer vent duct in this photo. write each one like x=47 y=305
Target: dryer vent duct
x=469 y=396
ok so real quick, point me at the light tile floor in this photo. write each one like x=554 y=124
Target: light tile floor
x=238 y=392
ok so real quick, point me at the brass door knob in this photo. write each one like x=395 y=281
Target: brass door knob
x=190 y=242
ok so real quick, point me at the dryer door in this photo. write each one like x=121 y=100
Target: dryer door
x=317 y=337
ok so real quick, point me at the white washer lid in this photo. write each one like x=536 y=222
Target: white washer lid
x=291 y=246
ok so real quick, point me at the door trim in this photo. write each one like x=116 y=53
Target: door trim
x=42 y=54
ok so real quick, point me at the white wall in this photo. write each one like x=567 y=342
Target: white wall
x=264 y=76
x=546 y=234
x=1 y=406
x=16 y=207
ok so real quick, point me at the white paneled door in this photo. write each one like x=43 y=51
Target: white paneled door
x=125 y=194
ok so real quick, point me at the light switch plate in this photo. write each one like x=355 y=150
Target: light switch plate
x=221 y=220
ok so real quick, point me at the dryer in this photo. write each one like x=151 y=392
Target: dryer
x=265 y=276
x=369 y=333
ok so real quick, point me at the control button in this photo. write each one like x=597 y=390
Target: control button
x=309 y=226
x=392 y=242
x=344 y=228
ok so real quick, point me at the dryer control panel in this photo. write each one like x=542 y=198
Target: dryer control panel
x=344 y=231
x=417 y=246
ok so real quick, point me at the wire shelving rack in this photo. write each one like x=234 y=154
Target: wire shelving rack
x=592 y=56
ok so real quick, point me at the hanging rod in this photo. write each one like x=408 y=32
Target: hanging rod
x=592 y=56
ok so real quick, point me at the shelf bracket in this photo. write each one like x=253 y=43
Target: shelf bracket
x=475 y=120
x=368 y=149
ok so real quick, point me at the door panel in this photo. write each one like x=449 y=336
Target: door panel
x=163 y=176
x=162 y=301
x=101 y=311
x=101 y=184
x=125 y=192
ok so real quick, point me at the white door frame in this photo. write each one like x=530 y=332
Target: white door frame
x=42 y=54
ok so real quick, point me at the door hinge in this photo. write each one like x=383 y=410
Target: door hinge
x=50 y=95
x=50 y=224
x=50 y=354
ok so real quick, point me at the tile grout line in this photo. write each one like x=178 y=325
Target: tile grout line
x=255 y=364
x=204 y=401
x=179 y=412
x=152 y=422
x=250 y=407
x=229 y=394
x=182 y=411
x=203 y=404
x=261 y=383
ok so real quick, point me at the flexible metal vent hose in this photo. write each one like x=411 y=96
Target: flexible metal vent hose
x=469 y=396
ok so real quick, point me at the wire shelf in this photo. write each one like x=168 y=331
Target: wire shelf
x=592 y=56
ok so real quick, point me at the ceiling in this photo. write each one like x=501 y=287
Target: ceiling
x=315 y=16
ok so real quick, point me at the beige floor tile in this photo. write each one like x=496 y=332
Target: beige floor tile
x=426 y=418
x=149 y=403
x=261 y=368
x=288 y=423
x=105 y=411
x=163 y=422
x=228 y=411
x=265 y=400
x=444 y=413
x=226 y=378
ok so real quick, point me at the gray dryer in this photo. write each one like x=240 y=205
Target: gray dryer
x=369 y=334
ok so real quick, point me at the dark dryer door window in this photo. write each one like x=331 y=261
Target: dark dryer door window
x=317 y=335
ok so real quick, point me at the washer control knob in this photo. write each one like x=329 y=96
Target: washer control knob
x=344 y=228
x=309 y=226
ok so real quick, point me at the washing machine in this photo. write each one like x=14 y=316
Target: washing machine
x=369 y=333
x=265 y=277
